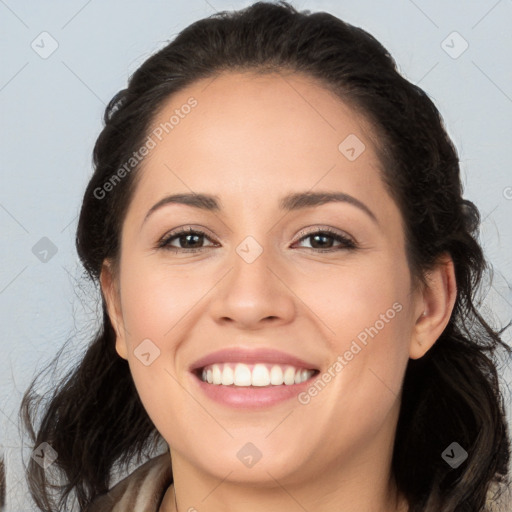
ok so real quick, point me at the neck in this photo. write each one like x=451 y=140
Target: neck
x=169 y=503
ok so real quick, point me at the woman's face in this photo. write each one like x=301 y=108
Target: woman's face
x=265 y=275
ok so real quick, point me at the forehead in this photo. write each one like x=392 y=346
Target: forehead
x=251 y=139
x=279 y=108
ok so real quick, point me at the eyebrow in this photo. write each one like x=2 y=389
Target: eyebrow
x=291 y=202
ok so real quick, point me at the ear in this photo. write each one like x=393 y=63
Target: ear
x=110 y=290
x=434 y=307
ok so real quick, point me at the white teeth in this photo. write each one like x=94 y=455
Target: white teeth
x=216 y=375
x=276 y=375
x=259 y=375
x=289 y=375
x=242 y=375
x=228 y=377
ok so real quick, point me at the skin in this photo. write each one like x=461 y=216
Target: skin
x=337 y=448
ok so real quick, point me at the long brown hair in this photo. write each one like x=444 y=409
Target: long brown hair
x=2 y=483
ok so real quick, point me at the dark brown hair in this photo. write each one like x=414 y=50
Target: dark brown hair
x=2 y=483
x=94 y=418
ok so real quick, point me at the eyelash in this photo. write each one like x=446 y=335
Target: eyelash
x=348 y=244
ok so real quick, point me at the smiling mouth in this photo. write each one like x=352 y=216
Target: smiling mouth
x=253 y=375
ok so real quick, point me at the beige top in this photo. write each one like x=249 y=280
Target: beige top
x=141 y=491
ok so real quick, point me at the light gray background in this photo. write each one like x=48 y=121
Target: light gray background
x=51 y=110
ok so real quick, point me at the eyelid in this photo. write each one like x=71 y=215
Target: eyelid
x=180 y=230
x=325 y=229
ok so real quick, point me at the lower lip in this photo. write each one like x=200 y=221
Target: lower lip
x=253 y=397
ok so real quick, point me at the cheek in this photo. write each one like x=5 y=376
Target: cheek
x=364 y=315
x=362 y=299
x=152 y=306
x=154 y=299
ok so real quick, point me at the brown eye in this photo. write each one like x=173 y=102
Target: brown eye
x=320 y=240
x=190 y=240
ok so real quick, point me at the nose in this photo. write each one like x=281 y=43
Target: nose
x=253 y=295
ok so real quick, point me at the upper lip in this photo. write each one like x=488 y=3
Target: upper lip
x=251 y=356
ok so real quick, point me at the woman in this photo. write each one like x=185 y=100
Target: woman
x=316 y=346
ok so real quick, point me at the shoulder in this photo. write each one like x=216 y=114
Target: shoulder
x=141 y=491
